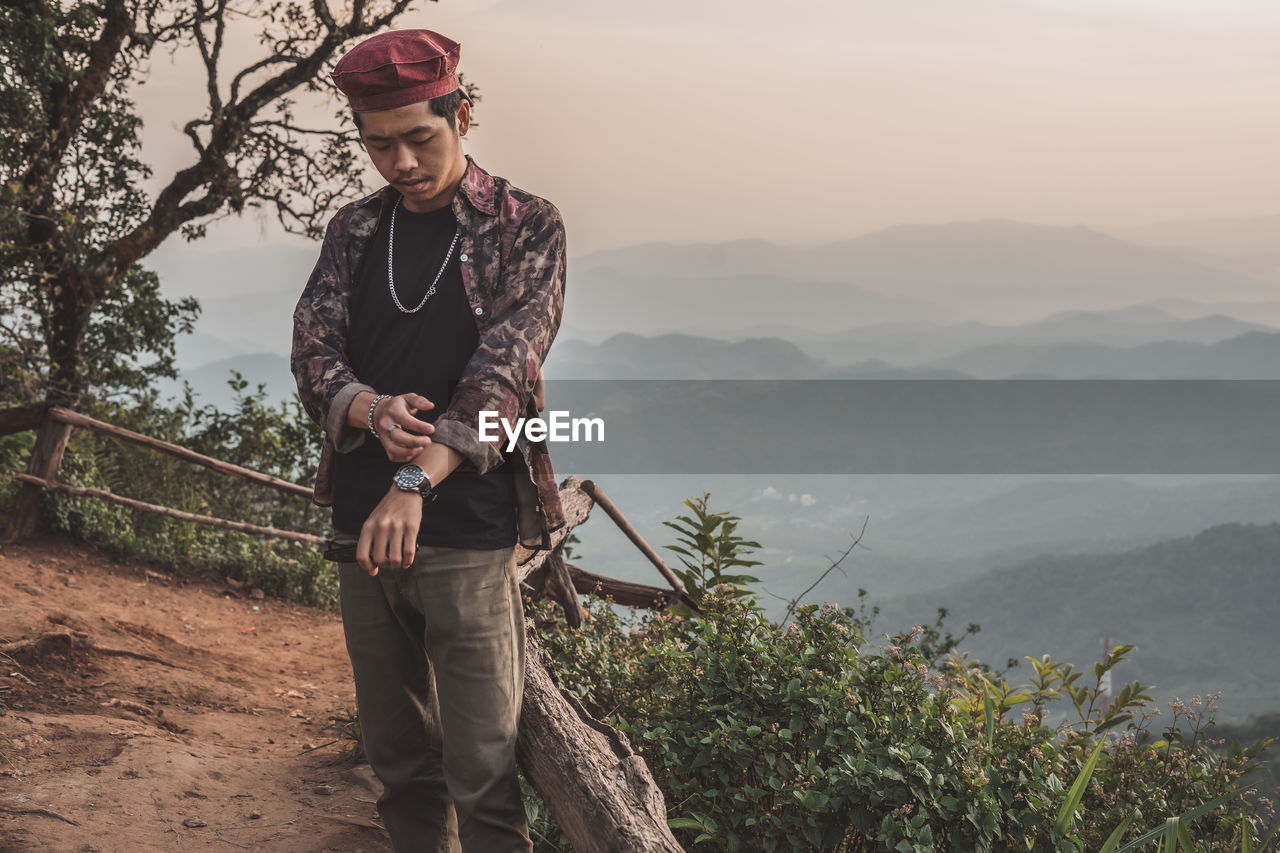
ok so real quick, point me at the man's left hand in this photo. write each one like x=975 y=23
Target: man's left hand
x=390 y=535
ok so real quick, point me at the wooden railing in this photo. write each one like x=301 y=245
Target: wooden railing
x=42 y=473
x=548 y=574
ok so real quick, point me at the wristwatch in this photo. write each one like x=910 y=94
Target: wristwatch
x=411 y=478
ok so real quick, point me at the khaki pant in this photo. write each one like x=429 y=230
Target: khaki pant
x=438 y=655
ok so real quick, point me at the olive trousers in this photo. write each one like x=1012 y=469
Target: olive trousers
x=437 y=651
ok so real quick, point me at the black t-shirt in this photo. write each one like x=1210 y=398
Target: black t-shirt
x=426 y=353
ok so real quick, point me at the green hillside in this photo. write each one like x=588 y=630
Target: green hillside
x=1201 y=610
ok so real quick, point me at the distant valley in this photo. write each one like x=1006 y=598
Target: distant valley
x=1139 y=558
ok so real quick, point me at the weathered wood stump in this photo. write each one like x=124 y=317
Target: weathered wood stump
x=599 y=791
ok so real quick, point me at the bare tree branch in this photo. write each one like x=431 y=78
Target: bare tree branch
x=795 y=602
x=321 y=8
x=345 y=135
x=210 y=56
x=169 y=213
x=255 y=67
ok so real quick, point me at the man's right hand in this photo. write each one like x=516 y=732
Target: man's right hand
x=401 y=434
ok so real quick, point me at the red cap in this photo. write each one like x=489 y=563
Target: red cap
x=398 y=68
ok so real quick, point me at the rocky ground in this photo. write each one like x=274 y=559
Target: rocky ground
x=141 y=712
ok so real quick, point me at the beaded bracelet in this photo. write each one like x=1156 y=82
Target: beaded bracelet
x=374 y=405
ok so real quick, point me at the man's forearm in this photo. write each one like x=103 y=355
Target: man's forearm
x=358 y=411
x=438 y=461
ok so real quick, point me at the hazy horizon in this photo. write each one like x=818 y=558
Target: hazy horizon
x=705 y=121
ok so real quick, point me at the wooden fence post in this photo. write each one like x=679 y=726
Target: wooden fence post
x=46 y=456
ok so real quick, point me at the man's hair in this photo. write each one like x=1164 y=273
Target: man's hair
x=445 y=106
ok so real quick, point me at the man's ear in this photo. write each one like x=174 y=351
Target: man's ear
x=463 y=116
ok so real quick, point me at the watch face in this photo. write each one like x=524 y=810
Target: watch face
x=409 y=477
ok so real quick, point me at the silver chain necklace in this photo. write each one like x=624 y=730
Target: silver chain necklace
x=391 y=265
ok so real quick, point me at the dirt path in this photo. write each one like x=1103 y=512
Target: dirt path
x=161 y=715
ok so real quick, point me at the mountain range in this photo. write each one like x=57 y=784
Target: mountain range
x=993 y=270
x=905 y=295
x=1199 y=608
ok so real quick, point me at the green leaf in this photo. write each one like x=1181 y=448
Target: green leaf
x=1111 y=723
x=1184 y=838
x=1068 y=810
x=1113 y=840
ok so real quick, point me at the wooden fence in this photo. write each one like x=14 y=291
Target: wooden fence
x=54 y=424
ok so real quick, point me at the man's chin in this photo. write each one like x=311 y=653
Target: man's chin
x=417 y=188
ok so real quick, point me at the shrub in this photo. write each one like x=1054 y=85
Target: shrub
x=810 y=737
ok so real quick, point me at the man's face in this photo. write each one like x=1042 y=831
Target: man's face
x=417 y=151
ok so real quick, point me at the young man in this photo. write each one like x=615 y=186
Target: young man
x=434 y=299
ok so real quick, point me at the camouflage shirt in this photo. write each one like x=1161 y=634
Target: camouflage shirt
x=512 y=254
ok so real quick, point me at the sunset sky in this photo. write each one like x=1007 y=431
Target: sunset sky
x=694 y=120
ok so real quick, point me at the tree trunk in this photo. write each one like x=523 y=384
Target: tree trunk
x=22 y=418
x=72 y=305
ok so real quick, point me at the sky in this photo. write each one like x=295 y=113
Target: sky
x=819 y=120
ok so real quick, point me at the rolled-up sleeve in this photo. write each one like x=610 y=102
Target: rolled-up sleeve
x=501 y=375
x=326 y=382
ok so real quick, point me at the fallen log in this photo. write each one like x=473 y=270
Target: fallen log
x=542 y=572
x=599 y=791
x=559 y=585
x=577 y=506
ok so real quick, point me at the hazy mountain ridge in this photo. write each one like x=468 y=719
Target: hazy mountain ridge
x=209 y=381
x=915 y=343
x=1254 y=241
x=676 y=356
x=1011 y=271
x=608 y=298
x=1166 y=598
x=1253 y=355
x=924 y=533
x=912 y=293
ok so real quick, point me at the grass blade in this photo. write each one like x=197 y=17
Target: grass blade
x=1113 y=840
x=1076 y=794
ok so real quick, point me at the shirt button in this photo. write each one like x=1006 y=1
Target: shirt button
x=479 y=311
x=463 y=257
